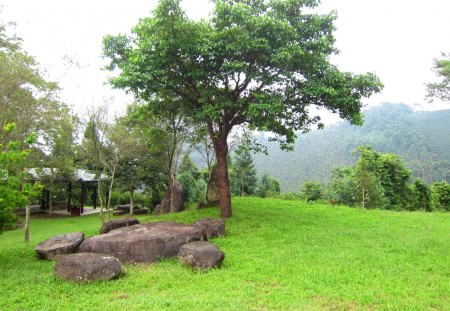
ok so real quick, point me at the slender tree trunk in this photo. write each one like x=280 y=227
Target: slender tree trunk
x=131 y=202
x=111 y=186
x=50 y=188
x=50 y=201
x=100 y=195
x=363 y=198
x=224 y=185
x=27 y=224
x=242 y=185
x=172 y=192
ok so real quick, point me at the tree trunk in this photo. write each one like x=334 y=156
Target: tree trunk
x=221 y=149
x=50 y=194
x=100 y=195
x=50 y=201
x=27 y=224
x=172 y=193
x=108 y=204
x=363 y=198
x=131 y=202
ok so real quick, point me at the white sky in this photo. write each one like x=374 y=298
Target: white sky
x=396 y=39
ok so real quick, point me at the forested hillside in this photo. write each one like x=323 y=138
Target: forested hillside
x=421 y=139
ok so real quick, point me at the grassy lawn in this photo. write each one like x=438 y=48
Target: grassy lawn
x=279 y=255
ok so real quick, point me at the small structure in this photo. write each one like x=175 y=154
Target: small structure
x=84 y=184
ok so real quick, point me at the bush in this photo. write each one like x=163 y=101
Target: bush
x=119 y=198
x=312 y=191
x=441 y=195
x=144 y=200
x=268 y=186
x=193 y=190
x=422 y=196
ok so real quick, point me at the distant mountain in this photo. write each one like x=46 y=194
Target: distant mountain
x=421 y=139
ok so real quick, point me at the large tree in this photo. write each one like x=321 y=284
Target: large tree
x=15 y=189
x=253 y=62
x=26 y=98
x=56 y=144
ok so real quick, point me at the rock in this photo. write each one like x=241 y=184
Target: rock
x=85 y=267
x=165 y=206
x=140 y=211
x=157 y=209
x=116 y=224
x=214 y=227
x=201 y=254
x=126 y=208
x=212 y=193
x=119 y=212
x=60 y=244
x=144 y=242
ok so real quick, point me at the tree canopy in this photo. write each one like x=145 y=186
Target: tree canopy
x=441 y=88
x=257 y=63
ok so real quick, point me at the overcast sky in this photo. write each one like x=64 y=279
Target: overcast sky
x=396 y=39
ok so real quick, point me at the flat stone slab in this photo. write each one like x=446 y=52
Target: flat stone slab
x=126 y=207
x=119 y=223
x=214 y=227
x=119 y=212
x=85 y=267
x=201 y=254
x=144 y=242
x=60 y=244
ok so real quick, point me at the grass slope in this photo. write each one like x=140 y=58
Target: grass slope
x=280 y=255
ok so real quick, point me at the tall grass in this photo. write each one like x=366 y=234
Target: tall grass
x=279 y=255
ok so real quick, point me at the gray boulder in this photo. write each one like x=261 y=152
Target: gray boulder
x=214 y=227
x=201 y=254
x=85 y=267
x=144 y=242
x=119 y=223
x=119 y=212
x=60 y=244
x=140 y=211
x=212 y=192
x=177 y=201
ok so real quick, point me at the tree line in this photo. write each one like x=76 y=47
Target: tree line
x=379 y=180
x=418 y=138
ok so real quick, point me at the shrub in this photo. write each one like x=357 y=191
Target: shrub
x=422 y=196
x=441 y=195
x=268 y=186
x=312 y=191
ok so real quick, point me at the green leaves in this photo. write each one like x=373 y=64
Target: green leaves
x=269 y=56
x=15 y=190
x=441 y=88
x=8 y=128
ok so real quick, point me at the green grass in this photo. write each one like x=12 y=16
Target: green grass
x=279 y=255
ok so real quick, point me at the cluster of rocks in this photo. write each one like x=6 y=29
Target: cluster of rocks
x=101 y=257
x=125 y=209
